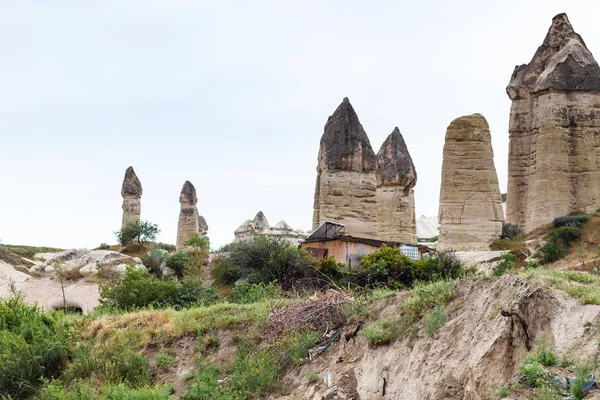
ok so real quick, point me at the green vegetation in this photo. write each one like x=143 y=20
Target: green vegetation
x=581 y=378
x=426 y=300
x=566 y=230
x=510 y=231
x=139 y=289
x=507 y=263
x=28 y=252
x=33 y=346
x=534 y=372
x=10 y=257
x=140 y=232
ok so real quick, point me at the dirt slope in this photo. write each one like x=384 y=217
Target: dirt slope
x=475 y=352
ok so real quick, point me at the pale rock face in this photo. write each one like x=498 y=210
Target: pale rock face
x=346 y=187
x=470 y=212
x=188 y=215
x=554 y=153
x=86 y=262
x=132 y=194
x=259 y=226
x=396 y=179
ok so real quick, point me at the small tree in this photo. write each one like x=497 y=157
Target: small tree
x=198 y=242
x=510 y=231
x=113 y=279
x=61 y=274
x=138 y=231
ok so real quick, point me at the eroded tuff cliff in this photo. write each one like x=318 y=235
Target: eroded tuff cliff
x=188 y=215
x=554 y=155
x=470 y=213
x=131 y=190
x=346 y=188
x=396 y=179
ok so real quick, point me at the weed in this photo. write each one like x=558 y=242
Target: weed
x=507 y=263
x=581 y=378
x=164 y=361
x=381 y=332
x=533 y=372
x=434 y=320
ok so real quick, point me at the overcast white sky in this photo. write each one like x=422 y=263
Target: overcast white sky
x=233 y=96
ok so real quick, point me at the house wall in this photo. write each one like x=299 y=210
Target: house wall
x=347 y=253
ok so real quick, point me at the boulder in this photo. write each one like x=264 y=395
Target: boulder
x=554 y=152
x=85 y=262
x=470 y=213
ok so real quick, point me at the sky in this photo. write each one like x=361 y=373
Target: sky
x=233 y=96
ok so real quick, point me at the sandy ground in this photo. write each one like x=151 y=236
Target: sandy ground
x=47 y=293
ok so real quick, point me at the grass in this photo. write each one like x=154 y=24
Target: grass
x=426 y=302
x=581 y=285
x=164 y=361
x=29 y=252
x=8 y=256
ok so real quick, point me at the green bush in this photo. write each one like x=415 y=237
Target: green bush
x=567 y=234
x=509 y=231
x=571 y=220
x=33 y=346
x=267 y=259
x=154 y=259
x=139 y=289
x=545 y=354
x=557 y=242
x=507 y=262
x=581 y=378
x=138 y=231
x=382 y=331
x=225 y=271
x=247 y=293
x=533 y=371
x=164 y=361
x=389 y=266
x=434 y=320
x=178 y=261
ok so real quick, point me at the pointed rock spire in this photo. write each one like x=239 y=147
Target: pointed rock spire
x=562 y=62
x=188 y=215
x=394 y=164
x=345 y=191
x=554 y=111
x=396 y=178
x=344 y=144
x=260 y=223
x=131 y=190
x=202 y=225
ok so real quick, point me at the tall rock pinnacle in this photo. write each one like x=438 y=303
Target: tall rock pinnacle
x=188 y=216
x=554 y=161
x=396 y=179
x=132 y=194
x=346 y=179
x=470 y=212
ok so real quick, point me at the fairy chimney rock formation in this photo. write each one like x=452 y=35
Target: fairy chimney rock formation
x=470 y=212
x=346 y=187
x=554 y=153
x=132 y=194
x=202 y=226
x=188 y=216
x=396 y=179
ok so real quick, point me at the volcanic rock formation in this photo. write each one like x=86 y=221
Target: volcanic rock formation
x=259 y=226
x=396 y=179
x=554 y=156
x=132 y=194
x=202 y=226
x=188 y=216
x=470 y=212
x=346 y=188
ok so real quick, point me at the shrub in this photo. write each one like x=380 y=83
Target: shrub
x=267 y=259
x=545 y=354
x=572 y=220
x=532 y=265
x=164 y=361
x=567 y=234
x=225 y=271
x=154 y=259
x=177 y=262
x=138 y=231
x=381 y=332
x=434 y=320
x=247 y=293
x=33 y=346
x=581 y=378
x=550 y=251
x=198 y=242
x=507 y=262
x=557 y=242
x=139 y=289
x=533 y=372
x=509 y=231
